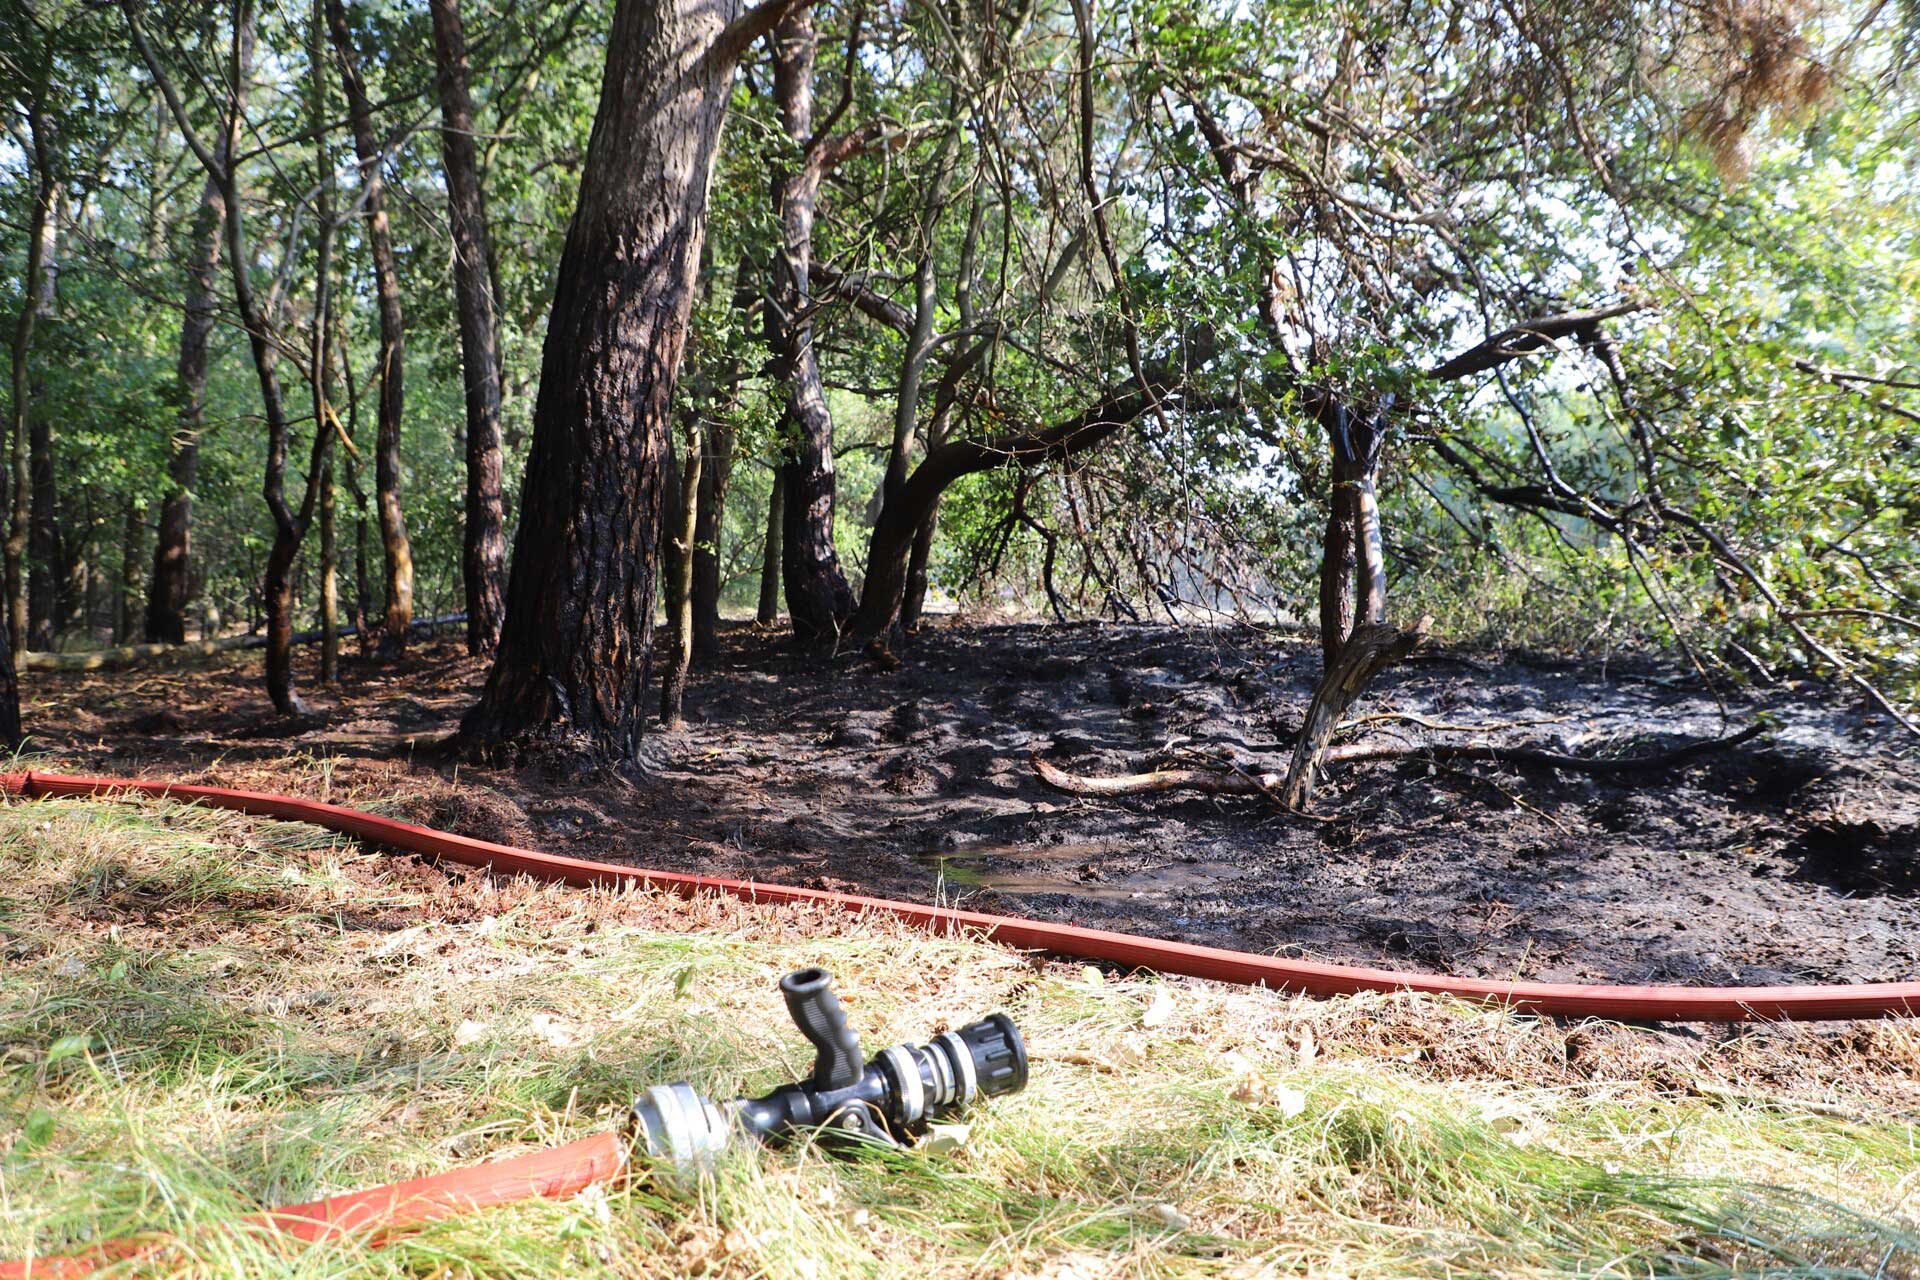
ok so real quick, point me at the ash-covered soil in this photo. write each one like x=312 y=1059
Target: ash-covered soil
x=1794 y=857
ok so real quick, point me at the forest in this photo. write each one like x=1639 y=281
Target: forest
x=1424 y=484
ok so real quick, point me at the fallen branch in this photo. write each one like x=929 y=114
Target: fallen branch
x=1240 y=783
x=1444 y=726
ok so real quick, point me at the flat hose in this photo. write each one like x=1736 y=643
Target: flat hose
x=1308 y=977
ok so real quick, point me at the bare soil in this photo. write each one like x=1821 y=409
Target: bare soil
x=1792 y=858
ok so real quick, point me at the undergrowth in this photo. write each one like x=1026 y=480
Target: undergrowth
x=204 y=1014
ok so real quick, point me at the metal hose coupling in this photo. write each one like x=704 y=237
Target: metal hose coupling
x=890 y=1101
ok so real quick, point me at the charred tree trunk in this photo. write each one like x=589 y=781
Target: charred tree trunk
x=10 y=735
x=913 y=605
x=1371 y=644
x=769 y=611
x=171 y=590
x=483 y=548
x=684 y=526
x=572 y=664
x=818 y=597
x=397 y=548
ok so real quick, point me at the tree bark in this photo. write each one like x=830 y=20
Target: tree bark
x=132 y=534
x=49 y=597
x=172 y=585
x=572 y=664
x=1361 y=651
x=913 y=604
x=685 y=526
x=40 y=218
x=483 y=548
x=329 y=579
x=716 y=474
x=395 y=545
x=818 y=597
x=770 y=558
x=10 y=735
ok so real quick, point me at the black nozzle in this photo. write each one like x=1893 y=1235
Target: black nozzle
x=999 y=1055
x=816 y=1011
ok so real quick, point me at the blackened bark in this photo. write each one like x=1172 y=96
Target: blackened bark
x=769 y=611
x=484 y=548
x=914 y=604
x=818 y=597
x=572 y=665
x=171 y=590
x=9 y=696
x=396 y=546
x=1356 y=639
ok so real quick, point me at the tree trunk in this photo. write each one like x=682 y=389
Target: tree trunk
x=770 y=558
x=716 y=473
x=571 y=669
x=172 y=587
x=484 y=548
x=913 y=606
x=329 y=580
x=818 y=597
x=133 y=533
x=396 y=546
x=671 y=498
x=883 y=594
x=9 y=696
x=49 y=598
x=39 y=230
x=1359 y=653
x=685 y=529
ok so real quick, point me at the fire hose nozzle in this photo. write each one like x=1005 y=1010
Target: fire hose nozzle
x=889 y=1102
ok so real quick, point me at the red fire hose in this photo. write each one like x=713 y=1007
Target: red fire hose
x=565 y=1170
x=555 y=1173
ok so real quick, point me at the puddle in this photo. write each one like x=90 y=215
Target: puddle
x=1053 y=869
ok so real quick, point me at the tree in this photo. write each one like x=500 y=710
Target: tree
x=33 y=304
x=264 y=342
x=396 y=547
x=818 y=597
x=171 y=586
x=484 y=558
x=574 y=650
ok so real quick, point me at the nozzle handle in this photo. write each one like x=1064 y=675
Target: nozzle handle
x=817 y=1012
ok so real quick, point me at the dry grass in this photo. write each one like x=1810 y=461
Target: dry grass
x=204 y=1014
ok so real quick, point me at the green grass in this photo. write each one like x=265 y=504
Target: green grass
x=204 y=1014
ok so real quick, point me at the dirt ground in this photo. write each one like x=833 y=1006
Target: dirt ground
x=1794 y=857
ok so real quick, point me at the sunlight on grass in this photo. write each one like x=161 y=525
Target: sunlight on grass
x=205 y=1014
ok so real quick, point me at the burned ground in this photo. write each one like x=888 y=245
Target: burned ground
x=1790 y=858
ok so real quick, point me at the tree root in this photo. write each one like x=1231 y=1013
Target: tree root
x=1220 y=782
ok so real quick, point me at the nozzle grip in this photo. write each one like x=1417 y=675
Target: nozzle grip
x=816 y=1011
